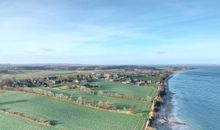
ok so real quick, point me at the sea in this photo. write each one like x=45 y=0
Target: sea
x=196 y=99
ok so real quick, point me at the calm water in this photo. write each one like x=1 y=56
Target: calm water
x=197 y=98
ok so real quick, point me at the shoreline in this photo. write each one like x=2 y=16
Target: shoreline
x=161 y=116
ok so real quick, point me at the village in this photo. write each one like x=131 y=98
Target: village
x=136 y=77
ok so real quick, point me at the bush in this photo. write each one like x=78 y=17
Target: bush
x=104 y=104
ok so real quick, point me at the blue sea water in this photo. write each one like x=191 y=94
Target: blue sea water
x=197 y=98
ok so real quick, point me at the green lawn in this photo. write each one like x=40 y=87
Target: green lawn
x=68 y=116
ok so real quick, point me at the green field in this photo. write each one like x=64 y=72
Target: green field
x=68 y=116
x=38 y=74
x=145 y=78
x=115 y=88
x=126 y=89
x=119 y=103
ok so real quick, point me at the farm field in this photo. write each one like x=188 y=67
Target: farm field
x=8 y=123
x=145 y=78
x=37 y=74
x=119 y=103
x=126 y=89
x=67 y=116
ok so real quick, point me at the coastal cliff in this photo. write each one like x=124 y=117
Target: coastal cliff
x=159 y=107
x=161 y=117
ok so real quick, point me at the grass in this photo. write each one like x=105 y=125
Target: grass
x=119 y=103
x=67 y=116
x=38 y=74
x=115 y=88
x=126 y=89
x=145 y=78
x=7 y=121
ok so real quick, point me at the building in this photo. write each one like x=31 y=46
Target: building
x=107 y=76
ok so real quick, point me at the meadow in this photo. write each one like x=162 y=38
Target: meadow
x=145 y=78
x=126 y=89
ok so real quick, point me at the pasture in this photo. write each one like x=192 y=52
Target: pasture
x=125 y=89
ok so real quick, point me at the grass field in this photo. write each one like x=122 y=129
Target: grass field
x=119 y=103
x=38 y=74
x=68 y=116
x=8 y=123
x=145 y=78
x=126 y=89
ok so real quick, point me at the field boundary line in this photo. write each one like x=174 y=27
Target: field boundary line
x=27 y=117
x=70 y=102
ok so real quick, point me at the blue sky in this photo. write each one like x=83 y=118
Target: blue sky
x=110 y=31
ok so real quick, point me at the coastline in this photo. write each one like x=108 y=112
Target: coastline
x=161 y=116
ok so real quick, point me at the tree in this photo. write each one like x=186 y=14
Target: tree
x=6 y=82
x=104 y=104
x=80 y=100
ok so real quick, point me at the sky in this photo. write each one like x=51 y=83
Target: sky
x=133 y=32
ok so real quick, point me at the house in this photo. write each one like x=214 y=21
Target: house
x=128 y=81
x=149 y=82
x=158 y=82
x=82 y=87
x=46 y=85
x=100 y=76
x=73 y=86
x=107 y=76
x=54 y=80
x=141 y=83
x=76 y=81
x=124 y=82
